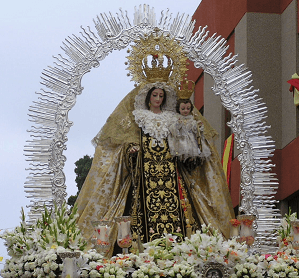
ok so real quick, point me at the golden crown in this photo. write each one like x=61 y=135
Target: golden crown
x=186 y=89
x=158 y=71
x=157 y=57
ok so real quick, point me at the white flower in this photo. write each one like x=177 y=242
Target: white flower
x=60 y=249
x=53 y=266
x=61 y=238
x=93 y=264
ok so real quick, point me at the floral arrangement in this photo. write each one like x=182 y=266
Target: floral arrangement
x=35 y=252
x=52 y=230
x=285 y=231
x=247 y=222
x=281 y=264
x=166 y=257
x=251 y=267
x=235 y=222
x=284 y=263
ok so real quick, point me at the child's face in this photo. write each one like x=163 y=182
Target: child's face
x=185 y=109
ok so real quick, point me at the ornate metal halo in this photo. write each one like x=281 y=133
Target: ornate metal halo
x=62 y=83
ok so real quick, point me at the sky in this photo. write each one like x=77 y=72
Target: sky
x=31 y=33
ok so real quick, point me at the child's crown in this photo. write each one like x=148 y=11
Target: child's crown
x=186 y=89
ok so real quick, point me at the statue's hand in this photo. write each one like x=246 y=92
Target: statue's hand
x=134 y=149
x=131 y=156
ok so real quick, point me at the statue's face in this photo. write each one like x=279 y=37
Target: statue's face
x=185 y=108
x=157 y=97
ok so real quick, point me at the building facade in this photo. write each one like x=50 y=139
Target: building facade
x=264 y=34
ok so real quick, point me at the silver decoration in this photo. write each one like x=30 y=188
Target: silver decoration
x=64 y=255
x=62 y=83
x=212 y=270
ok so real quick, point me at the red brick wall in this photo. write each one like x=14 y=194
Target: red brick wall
x=222 y=17
x=235 y=181
x=289 y=170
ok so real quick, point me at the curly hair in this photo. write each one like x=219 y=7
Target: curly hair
x=177 y=108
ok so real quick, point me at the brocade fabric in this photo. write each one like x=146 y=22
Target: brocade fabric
x=161 y=200
x=104 y=194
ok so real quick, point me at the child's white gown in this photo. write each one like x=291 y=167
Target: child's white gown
x=186 y=138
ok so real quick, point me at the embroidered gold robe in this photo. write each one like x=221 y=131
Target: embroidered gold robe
x=104 y=194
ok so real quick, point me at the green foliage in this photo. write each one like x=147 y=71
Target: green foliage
x=72 y=200
x=285 y=229
x=54 y=229
x=82 y=168
x=59 y=229
x=17 y=241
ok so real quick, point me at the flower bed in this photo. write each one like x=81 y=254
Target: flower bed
x=35 y=250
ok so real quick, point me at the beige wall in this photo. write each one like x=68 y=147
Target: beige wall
x=214 y=111
x=267 y=45
x=288 y=65
x=257 y=41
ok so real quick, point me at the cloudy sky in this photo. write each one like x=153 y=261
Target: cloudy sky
x=31 y=32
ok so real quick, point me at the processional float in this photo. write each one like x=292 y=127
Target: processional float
x=61 y=82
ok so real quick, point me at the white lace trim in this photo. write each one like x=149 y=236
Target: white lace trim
x=182 y=139
x=156 y=125
x=186 y=123
x=171 y=96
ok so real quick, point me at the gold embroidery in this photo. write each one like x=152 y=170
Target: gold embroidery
x=186 y=206
x=106 y=198
x=162 y=207
x=126 y=122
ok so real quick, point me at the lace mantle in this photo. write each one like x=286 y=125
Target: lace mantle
x=156 y=125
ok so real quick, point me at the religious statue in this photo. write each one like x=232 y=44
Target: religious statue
x=186 y=139
x=133 y=171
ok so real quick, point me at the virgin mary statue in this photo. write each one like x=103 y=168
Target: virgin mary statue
x=133 y=172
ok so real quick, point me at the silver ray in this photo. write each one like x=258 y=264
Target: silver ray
x=232 y=82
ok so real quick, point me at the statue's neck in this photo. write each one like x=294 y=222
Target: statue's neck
x=156 y=110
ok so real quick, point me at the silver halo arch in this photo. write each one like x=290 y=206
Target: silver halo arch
x=62 y=83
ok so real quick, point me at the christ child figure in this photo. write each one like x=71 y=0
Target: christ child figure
x=184 y=136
